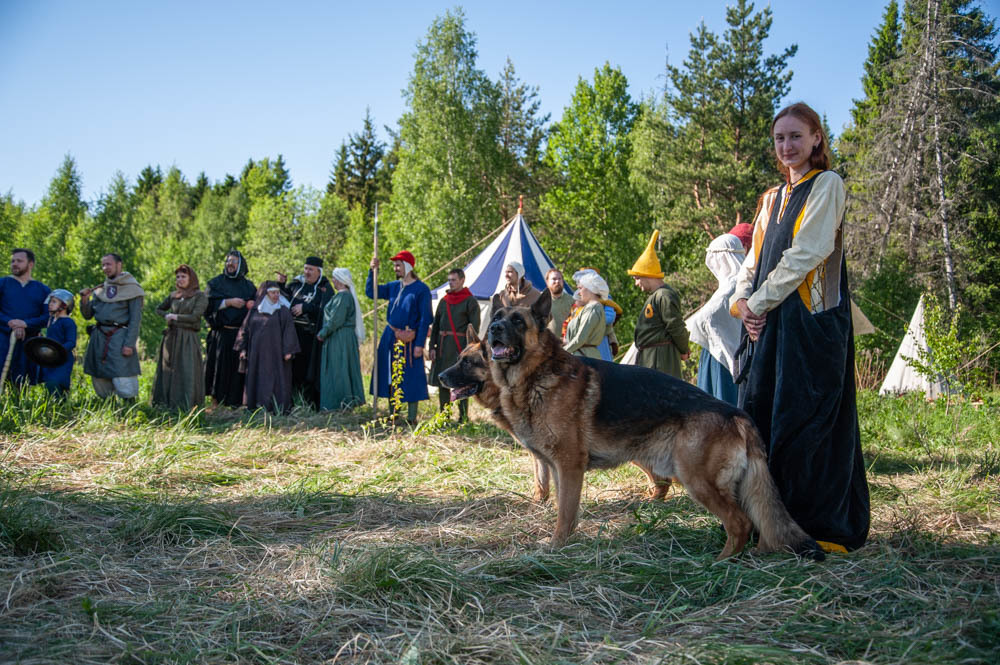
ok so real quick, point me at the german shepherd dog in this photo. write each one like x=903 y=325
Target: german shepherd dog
x=578 y=414
x=470 y=377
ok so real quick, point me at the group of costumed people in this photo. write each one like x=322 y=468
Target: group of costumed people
x=776 y=336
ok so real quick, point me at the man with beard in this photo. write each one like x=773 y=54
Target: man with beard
x=111 y=360
x=308 y=294
x=22 y=311
x=230 y=297
x=562 y=301
x=457 y=311
x=407 y=322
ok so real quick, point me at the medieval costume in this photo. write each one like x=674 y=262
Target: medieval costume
x=409 y=318
x=343 y=331
x=799 y=386
x=116 y=306
x=562 y=306
x=521 y=294
x=588 y=327
x=712 y=328
x=660 y=335
x=607 y=348
x=313 y=298
x=180 y=376
x=455 y=313
x=27 y=303
x=62 y=329
x=265 y=338
x=222 y=380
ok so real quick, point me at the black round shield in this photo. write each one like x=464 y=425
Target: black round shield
x=45 y=352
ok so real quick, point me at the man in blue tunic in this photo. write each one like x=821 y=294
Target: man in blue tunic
x=409 y=319
x=22 y=311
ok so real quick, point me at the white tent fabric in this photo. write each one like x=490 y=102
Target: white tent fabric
x=484 y=274
x=902 y=378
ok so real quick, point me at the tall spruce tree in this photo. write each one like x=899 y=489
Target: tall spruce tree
x=46 y=229
x=703 y=154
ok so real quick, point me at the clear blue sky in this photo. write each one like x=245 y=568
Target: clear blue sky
x=207 y=85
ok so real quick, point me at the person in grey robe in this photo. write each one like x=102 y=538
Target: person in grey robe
x=112 y=361
x=267 y=343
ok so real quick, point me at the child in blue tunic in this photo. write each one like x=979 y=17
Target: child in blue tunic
x=61 y=328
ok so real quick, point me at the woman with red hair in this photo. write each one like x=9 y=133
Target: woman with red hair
x=180 y=370
x=797 y=374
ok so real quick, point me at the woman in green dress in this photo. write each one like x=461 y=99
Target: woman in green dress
x=588 y=326
x=341 y=334
x=180 y=370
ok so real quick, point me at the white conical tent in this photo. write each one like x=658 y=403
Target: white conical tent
x=484 y=274
x=902 y=378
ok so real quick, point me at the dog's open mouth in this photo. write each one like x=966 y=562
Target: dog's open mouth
x=464 y=391
x=503 y=352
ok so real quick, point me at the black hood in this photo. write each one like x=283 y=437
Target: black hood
x=243 y=268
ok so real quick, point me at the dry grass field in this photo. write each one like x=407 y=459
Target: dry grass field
x=132 y=536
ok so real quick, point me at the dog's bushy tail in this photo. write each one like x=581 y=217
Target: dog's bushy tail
x=761 y=501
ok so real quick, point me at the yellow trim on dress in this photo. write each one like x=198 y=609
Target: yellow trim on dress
x=832 y=548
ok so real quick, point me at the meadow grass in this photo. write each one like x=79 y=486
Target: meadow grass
x=131 y=535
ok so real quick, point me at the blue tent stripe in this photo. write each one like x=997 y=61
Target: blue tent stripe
x=485 y=283
x=523 y=247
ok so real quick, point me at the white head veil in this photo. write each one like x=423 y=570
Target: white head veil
x=712 y=327
x=594 y=283
x=343 y=275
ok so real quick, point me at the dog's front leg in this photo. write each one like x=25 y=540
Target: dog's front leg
x=569 y=485
x=541 y=479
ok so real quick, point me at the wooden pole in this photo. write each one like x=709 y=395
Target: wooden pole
x=375 y=335
x=10 y=354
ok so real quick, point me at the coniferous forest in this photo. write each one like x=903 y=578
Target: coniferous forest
x=921 y=158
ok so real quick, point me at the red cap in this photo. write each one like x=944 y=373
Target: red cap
x=745 y=233
x=405 y=256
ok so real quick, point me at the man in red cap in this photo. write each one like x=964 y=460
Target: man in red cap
x=409 y=318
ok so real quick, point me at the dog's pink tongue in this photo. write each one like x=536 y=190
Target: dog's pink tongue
x=501 y=351
x=453 y=394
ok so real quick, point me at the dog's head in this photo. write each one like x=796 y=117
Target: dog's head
x=513 y=329
x=468 y=376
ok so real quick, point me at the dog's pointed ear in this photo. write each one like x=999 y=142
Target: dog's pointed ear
x=470 y=335
x=541 y=310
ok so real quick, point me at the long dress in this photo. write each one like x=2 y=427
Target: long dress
x=409 y=307
x=180 y=371
x=799 y=389
x=222 y=380
x=341 y=386
x=266 y=339
x=57 y=379
x=586 y=331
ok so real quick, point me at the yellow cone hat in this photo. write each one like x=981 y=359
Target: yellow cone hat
x=648 y=265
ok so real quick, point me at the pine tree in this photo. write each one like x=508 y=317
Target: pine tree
x=703 y=154
x=45 y=231
x=111 y=229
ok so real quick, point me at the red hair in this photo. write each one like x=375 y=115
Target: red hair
x=821 y=158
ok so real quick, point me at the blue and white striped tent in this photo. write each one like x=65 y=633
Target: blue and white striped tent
x=484 y=274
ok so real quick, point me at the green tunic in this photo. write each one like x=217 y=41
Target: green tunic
x=586 y=330
x=442 y=341
x=660 y=334
x=180 y=370
x=561 y=308
x=340 y=385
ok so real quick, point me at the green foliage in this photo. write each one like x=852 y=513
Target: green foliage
x=111 y=229
x=703 y=154
x=441 y=198
x=360 y=175
x=594 y=216
x=887 y=298
x=46 y=230
x=12 y=215
x=948 y=357
x=878 y=79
